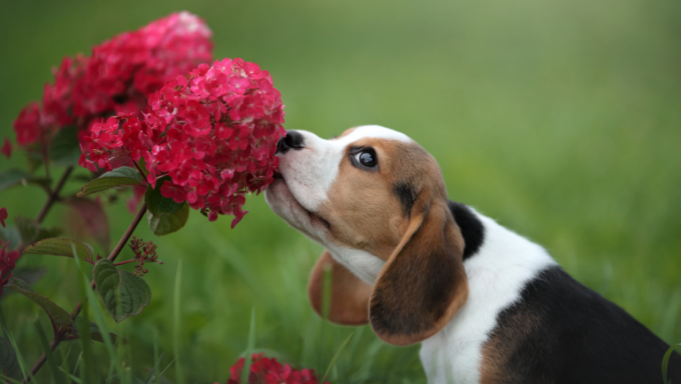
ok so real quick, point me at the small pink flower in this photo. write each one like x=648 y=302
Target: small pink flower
x=7 y=148
x=269 y=371
x=27 y=125
x=3 y=215
x=7 y=263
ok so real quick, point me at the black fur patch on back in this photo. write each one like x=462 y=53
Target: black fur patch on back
x=562 y=332
x=406 y=193
x=472 y=230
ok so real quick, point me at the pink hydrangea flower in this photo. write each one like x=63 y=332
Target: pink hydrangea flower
x=269 y=371
x=118 y=78
x=124 y=71
x=213 y=131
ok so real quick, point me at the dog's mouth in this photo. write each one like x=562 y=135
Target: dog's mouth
x=316 y=217
x=313 y=216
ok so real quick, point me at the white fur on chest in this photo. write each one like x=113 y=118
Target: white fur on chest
x=496 y=277
x=361 y=263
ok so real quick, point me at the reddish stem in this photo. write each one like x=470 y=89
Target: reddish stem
x=54 y=195
x=126 y=262
x=141 y=173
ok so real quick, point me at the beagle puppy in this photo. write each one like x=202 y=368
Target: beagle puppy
x=488 y=305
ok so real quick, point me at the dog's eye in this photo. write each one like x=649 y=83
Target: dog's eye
x=366 y=157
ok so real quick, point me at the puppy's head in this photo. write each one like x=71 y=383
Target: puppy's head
x=377 y=202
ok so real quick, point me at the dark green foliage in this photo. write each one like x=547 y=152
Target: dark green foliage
x=123 y=294
x=164 y=224
x=116 y=178
x=60 y=247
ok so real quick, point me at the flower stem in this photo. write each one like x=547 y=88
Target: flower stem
x=59 y=336
x=126 y=262
x=54 y=195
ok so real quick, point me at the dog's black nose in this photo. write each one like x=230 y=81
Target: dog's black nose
x=293 y=139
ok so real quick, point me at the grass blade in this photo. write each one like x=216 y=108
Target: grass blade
x=98 y=316
x=166 y=368
x=249 y=350
x=70 y=376
x=20 y=359
x=665 y=362
x=9 y=379
x=153 y=370
x=3 y=322
x=56 y=375
x=179 y=375
x=64 y=367
x=335 y=357
x=78 y=361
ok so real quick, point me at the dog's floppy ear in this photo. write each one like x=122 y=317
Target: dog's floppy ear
x=349 y=294
x=423 y=283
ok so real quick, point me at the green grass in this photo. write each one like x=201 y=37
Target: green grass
x=559 y=118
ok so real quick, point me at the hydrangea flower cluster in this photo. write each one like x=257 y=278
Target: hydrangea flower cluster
x=269 y=371
x=7 y=258
x=214 y=132
x=118 y=77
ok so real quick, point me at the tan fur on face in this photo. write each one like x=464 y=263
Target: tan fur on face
x=349 y=294
x=362 y=208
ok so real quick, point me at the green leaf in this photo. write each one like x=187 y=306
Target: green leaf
x=165 y=224
x=9 y=364
x=65 y=149
x=60 y=247
x=117 y=178
x=12 y=177
x=123 y=294
x=44 y=233
x=58 y=316
x=665 y=362
x=157 y=203
x=28 y=229
x=10 y=234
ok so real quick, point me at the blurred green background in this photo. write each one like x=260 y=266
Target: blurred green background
x=559 y=118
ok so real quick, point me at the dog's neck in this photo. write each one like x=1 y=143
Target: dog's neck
x=497 y=273
x=361 y=263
